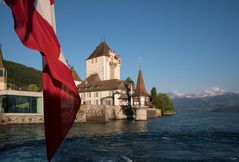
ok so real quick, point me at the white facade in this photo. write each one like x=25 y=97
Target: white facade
x=141 y=101
x=101 y=97
x=106 y=67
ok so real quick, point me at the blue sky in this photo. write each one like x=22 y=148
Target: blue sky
x=185 y=45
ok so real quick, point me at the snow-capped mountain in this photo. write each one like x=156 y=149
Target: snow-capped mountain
x=212 y=99
x=176 y=94
x=213 y=91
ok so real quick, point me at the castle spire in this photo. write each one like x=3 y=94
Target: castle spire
x=140 y=88
x=140 y=61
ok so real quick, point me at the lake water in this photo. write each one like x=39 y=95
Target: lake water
x=187 y=136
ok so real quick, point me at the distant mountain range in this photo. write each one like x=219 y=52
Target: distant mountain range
x=212 y=99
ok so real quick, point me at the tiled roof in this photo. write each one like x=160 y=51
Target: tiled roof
x=140 y=88
x=93 y=83
x=101 y=50
x=1 y=58
x=74 y=74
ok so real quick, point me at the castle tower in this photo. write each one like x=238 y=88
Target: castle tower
x=3 y=73
x=104 y=62
x=140 y=96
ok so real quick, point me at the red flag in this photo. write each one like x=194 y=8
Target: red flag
x=34 y=23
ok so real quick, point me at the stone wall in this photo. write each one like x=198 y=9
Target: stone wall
x=119 y=113
x=14 y=118
x=153 y=113
x=80 y=118
x=100 y=113
x=11 y=118
x=94 y=113
x=141 y=114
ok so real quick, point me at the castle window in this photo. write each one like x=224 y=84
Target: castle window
x=96 y=102
x=83 y=95
x=96 y=94
x=96 y=60
x=109 y=102
x=1 y=73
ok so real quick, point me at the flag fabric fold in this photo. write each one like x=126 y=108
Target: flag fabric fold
x=34 y=23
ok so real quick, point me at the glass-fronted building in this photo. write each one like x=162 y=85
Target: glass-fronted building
x=21 y=102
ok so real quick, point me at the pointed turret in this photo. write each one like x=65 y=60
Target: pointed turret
x=140 y=96
x=140 y=88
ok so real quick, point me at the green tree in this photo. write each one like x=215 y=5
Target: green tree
x=166 y=102
x=161 y=101
x=129 y=81
x=34 y=88
x=155 y=100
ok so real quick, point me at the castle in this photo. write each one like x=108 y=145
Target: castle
x=103 y=86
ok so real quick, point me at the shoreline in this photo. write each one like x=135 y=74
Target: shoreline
x=33 y=118
x=104 y=114
x=169 y=113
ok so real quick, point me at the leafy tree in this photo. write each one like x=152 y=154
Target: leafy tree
x=130 y=81
x=153 y=93
x=155 y=99
x=166 y=102
x=34 y=88
x=161 y=101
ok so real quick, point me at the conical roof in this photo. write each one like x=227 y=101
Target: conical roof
x=101 y=50
x=74 y=74
x=140 y=88
x=1 y=58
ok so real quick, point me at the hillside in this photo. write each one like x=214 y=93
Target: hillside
x=21 y=76
x=224 y=102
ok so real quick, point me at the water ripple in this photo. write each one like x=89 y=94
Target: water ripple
x=184 y=137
